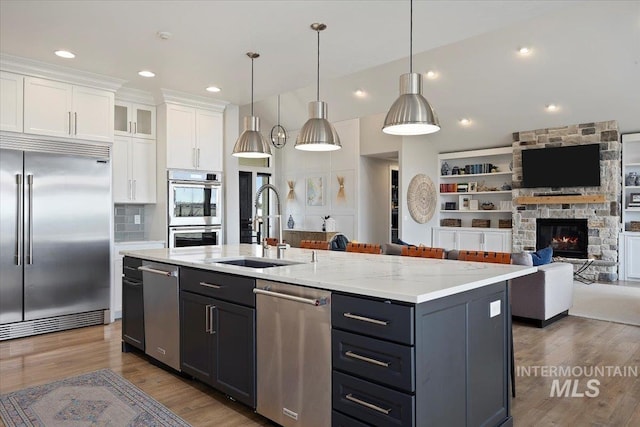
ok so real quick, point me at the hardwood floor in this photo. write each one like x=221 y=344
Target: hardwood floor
x=570 y=342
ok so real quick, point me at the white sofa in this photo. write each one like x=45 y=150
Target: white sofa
x=545 y=296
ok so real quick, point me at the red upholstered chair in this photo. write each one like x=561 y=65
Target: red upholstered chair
x=367 y=248
x=272 y=241
x=482 y=256
x=423 y=252
x=314 y=244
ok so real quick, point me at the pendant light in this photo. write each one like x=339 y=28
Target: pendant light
x=278 y=132
x=317 y=134
x=411 y=114
x=251 y=143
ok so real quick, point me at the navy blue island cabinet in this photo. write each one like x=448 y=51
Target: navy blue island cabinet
x=443 y=362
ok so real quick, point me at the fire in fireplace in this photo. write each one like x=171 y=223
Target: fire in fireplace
x=568 y=237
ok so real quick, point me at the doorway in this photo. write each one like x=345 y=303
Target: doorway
x=248 y=183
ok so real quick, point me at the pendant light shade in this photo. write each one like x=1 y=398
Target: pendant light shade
x=317 y=134
x=411 y=114
x=251 y=143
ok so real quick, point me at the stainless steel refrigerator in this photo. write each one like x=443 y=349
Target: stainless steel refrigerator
x=54 y=235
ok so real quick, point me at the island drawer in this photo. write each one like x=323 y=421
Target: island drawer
x=341 y=420
x=224 y=286
x=372 y=403
x=380 y=361
x=380 y=319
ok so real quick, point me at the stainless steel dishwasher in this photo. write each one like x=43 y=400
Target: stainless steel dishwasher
x=161 y=312
x=293 y=349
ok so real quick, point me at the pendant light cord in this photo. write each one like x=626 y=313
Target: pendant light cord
x=411 y=38
x=318 y=78
x=278 y=110
x=252 y=87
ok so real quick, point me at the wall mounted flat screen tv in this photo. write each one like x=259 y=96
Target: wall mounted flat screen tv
x=569 y=166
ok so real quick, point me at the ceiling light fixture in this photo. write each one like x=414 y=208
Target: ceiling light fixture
x=551 y=107
x=146 y=73
x=65 y=54
x=411 y=114
x=278 y=132
x=431 y=74
x=251 y=143
x=465 y=122
x=524 y=50
x=317 y=134
x=360 y=93
x=213 y=89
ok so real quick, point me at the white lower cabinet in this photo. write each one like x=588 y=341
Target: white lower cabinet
x=471 y=239
x=631 y=257
x=134 y=170
x=116 y=273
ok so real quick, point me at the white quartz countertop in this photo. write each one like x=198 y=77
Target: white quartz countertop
x=407 y=279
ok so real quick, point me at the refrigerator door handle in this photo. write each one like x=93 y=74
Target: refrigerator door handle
x=19 y=222
x=30 y=221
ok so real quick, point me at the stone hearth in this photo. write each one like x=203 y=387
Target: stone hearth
x=602 y=218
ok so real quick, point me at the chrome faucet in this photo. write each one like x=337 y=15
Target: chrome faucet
x=281 y=246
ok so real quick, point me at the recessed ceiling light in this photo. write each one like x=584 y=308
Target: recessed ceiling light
x=551 y=107
x=65 y=54
x=524 y=50
x=465 y=122
x=146 y=73
x=360 y=93
x=213 y=89
x=431 y=74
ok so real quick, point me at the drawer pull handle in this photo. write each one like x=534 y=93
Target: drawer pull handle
x=210 y=285
x=367 y=404
x=365 y=319
x=366 y=359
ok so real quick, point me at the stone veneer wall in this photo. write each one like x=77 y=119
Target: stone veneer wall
x=602 y=218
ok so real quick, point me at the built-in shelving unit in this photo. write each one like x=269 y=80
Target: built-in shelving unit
x=460 y=189
x=630 y=236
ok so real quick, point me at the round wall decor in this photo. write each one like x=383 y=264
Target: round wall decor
x=421 y=198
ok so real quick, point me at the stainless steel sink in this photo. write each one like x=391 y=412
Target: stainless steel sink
x=252 y=262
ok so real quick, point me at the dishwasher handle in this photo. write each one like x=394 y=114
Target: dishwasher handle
x=311 y=301
x=173 y=273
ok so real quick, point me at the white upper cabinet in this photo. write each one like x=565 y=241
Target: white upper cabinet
x=11 y=98
x=134 y=170
x=136 y=120
x=194 y=138
x=60 y=109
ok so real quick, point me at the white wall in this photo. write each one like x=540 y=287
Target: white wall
x=375 y=142
x=418 y=155
x=231 y=196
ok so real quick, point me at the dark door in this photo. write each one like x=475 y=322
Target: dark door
x=245 y=184
x=235 y=367
x=196 y=353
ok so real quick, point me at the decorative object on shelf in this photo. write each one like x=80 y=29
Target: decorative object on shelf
x=494 y=169
x=291 y=223
x=473 y=187
x=631 y=179
x=463 y=203
x=462 y=187
x=341 y=195
x=315 y=191
x=473 y=205
x=251 y=143
x=278 y=132
x=421 y=198
x=634 y=226
x=291 y=195
x=455 y=170
x=634 y=200
x=411 y=113
x=487 y=206
x=482 y=223
x=450 y=206
x=317 y=134
x=505 y=187
x=445 y=169
x=451 y=222
x=504 y=223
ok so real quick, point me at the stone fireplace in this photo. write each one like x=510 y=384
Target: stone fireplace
x=602 y=218
x=568 y=237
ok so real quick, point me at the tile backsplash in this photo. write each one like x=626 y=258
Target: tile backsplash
x=129 y=223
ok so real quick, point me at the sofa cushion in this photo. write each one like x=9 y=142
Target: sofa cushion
x=542 y=256
x=522 y=258
x=392 y=249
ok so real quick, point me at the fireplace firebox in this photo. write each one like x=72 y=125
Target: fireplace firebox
x=568 y=237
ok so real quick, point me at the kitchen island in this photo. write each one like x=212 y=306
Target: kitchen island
x=413 y=341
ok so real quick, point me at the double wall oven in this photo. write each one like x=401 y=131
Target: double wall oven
x=194 y=208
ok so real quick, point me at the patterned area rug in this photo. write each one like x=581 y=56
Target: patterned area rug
x=100 y=398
